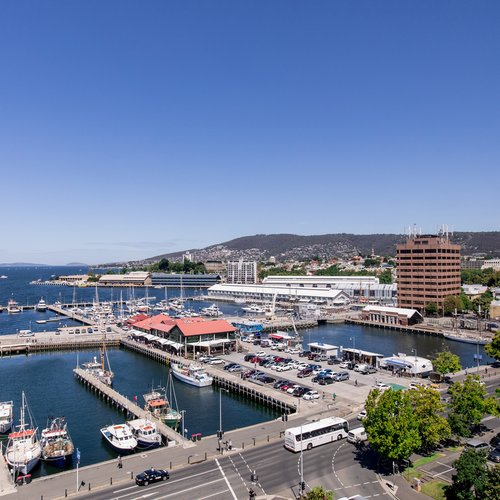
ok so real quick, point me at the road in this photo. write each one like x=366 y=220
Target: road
x=278 y=472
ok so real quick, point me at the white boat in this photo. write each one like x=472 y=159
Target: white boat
x=192 y=374
x=120 y=437
x=42 y=305
x=3 y=277
x=57 y=446
x=6 y=416
x=13 y=307
x=254 y=309
x=212 y=310
x=97 y=369
x=145 y=432
x=23 y=450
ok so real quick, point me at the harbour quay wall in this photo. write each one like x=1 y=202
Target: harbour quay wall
x=255 y=392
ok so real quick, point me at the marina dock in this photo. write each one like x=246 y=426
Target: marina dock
x=129 y=407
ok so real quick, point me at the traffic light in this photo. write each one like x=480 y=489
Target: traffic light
x=302 y=486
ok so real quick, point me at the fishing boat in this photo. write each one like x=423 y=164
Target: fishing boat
x=100 y=369
x=13 y=307
x=6 y=416
x=23 y=450
x=120 y=438
x=192 y=374
x=145 y=432
x=42 y=305
x=160 y=407
x=57 y=446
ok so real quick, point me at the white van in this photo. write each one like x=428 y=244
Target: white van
x=26 y=333
x=357 y=435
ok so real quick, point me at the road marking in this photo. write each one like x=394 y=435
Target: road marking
x=125 y=489
x=187 y=489
x=226 y=479
x=248 y=466
x=333 y=464
x=213 y=494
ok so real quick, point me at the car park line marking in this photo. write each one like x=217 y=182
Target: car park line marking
x=226 y=479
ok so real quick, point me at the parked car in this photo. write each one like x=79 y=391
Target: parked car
x=344 y=365
x=216 y=361
x=260 y=353
x=292 y=388
x=494 y=454
x=381 y=386
x=362 y=415
x=304 y=354
x=327 y=380
x=367 y=369
x=415 y=385
x=249 y=356
x=311 y=395
x=151 y=476
x=235 y=368
x=341 y=376
x=294 y=350
x=333 y=360
x=306 y=372
x=476 y=445
x=495 y=440
x=300 y=391
x=267 y=379
x=279 y=383
x=229 y=365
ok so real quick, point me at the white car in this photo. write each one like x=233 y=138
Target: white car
x=260 y=353
x=311 y=395
x=381 y=386
x=291 y=389
x=362 y=415
x=344 y=365
x=415 y=385
x=216 y=361
x=293 y=350
x=302 y=365
x=283 y=368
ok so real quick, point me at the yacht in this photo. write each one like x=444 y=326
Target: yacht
x=13 y=307
x=57 y=446
x=146 y=433
x=6 y=416
x=41 y=306
x=120 y=437
x=23 y=450
x=3 y=277
x=192 y=374
x=254 y=309
x=212 y=310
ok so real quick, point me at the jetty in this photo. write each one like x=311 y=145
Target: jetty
x=114 y=398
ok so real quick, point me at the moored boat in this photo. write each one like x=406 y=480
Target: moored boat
x=23 y=450
x=212 y=310
x=57 y=446
x=13 y=307
x=97 y=369
x=192 y=374
x=6 y=416
x=42 y=305
x=158 y=405
x=145 y=432
x=120 y=437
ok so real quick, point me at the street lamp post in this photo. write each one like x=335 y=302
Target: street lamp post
x=182 y=413
x=301 y=489
x=220 y=418
x=415 y=365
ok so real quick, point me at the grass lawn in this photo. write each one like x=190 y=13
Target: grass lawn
x=434 y=489
x=426 y=460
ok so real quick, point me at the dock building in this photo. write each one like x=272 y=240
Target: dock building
x=391 y=315
x=428 y=270
x=184 y=280
x=329 y=297
x=137 y=278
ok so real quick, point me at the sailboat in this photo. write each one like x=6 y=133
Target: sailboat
x=23 y=449
x=98 y=368
x=57 y=447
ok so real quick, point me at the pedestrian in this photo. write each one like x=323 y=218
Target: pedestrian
x=229 y=445
x=334 y=396
x=486 y=370
x=356 y=382
x=119 y=465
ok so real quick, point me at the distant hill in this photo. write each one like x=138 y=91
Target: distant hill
x=293 y=246
x=76 y=264
x=22 y=264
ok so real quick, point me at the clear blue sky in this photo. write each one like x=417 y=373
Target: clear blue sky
x=130 y=129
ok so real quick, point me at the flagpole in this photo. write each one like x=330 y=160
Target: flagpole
x=77 y=465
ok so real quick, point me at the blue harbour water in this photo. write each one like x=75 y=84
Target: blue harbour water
x=51 y=389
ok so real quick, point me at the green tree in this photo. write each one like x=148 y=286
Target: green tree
x=471 y=478
x=318 y=493
x=385 y=277
x=493 y=348
x=427 y=407
x=390 y=424
x=164 y=265
x=469 y=404
x=452 y=303
x=445 y=362
x=491 y=490
x=431 y=309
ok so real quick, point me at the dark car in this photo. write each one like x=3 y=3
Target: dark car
x=304 y=354
x=333 y=360
x=494 y=454
x=306 y=372
x=279 y=383
x=327 y=380
x=249 y=356
x=300 y=391
x=229 y=365
x=266 y=379
x=151 y=476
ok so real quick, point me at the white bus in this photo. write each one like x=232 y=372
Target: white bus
x=317 y=433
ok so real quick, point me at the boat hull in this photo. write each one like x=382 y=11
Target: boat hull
x=60 y=462
x=189 y=380
x=121 y=449
x=24 y=467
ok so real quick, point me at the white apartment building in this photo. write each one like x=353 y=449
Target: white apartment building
x=241 y=272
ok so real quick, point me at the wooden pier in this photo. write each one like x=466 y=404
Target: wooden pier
x=114 y=398
x=245 y=388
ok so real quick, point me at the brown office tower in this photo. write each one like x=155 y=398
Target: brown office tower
x=428 y=271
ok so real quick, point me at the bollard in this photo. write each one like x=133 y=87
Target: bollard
x=189 y=459
x=242 y=446
x=111 y=481
x=268 y=438
x=253 y=441
x=65 y=493
x=131 y=475
x=205 y=456
x=170 y=464
x=89 y=486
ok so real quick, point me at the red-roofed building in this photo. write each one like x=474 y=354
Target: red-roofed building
x=135 y=319
x=201 y=335
x=152 y=323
